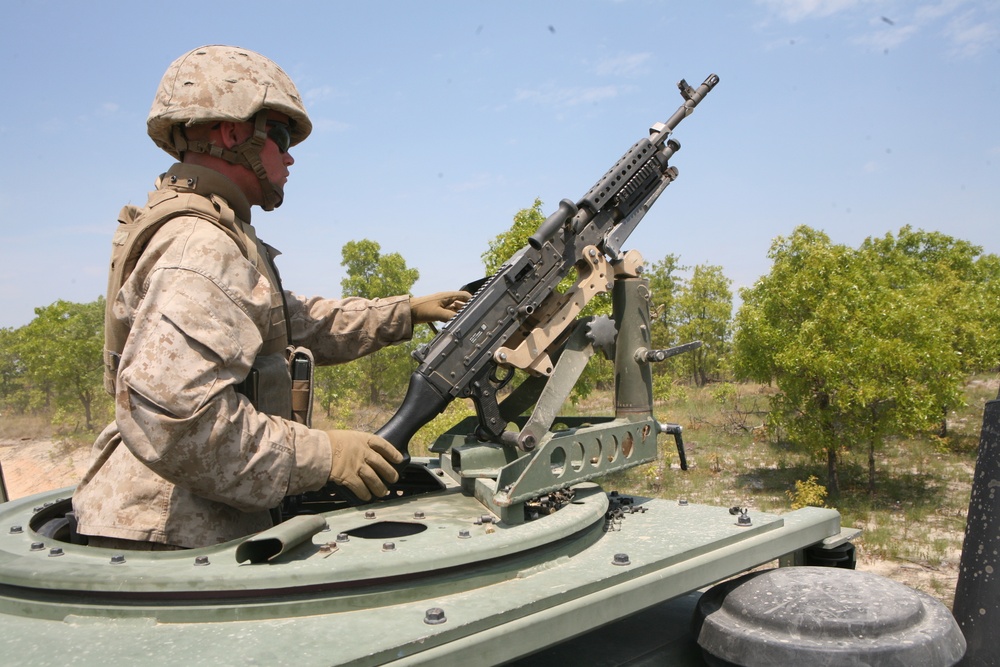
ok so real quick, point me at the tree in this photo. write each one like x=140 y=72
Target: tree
x=704 y=305
x=61 y=351
x=383 y=374
x=858 y=349
x=960 y=282
x=12 y=393
x=664 y=285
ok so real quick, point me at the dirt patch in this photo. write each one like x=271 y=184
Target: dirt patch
x=34 y=466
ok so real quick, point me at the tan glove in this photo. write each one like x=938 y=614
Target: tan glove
x=363 y=463
x=439 y=307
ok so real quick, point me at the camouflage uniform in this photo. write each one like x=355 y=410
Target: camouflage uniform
x=200 y=464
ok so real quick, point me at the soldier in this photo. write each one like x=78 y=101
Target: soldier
x=211 y=431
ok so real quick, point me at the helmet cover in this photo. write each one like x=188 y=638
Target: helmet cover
x=222 y=83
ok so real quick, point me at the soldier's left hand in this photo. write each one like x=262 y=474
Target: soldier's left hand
x=438 y=307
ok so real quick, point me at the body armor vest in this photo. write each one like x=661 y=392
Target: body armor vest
x=269 y=385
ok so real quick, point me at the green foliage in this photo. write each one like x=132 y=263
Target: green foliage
x=809 y=493
x=372 y=274
x=55 y=363
x=685 y=310
x=383 y=375
x=704 y=306
x=861 y=343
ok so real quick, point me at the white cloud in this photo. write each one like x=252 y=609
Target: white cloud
x=970 y=36
x=567 y=97
x=888 y=38
x=798 y=10
x=625 y=65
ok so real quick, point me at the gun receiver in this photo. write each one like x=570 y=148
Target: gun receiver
x=516 y=318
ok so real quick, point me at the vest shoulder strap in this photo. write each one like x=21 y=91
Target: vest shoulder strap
x=135 y=229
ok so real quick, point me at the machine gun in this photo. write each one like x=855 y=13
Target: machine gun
x=516 y=318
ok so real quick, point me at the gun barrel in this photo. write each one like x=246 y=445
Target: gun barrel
x=691 y=99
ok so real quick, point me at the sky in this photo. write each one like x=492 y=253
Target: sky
x=435 y=122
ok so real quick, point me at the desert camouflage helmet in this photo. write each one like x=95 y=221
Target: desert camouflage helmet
x=225 y=83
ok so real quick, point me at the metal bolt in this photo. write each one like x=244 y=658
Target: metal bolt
x=464 y=534
x=388 y=546
x=325 y=528
x=16 y=530
x=486 y=518
x=343 y=537
x=37 y=546
x=325 y=548
x=621 y=559
x=369 y=514
x=744 y=520
x=418 y=515
x=118 y=559
x=201 y=560
x=682 y=502
x=55 y=551
x=434 y=616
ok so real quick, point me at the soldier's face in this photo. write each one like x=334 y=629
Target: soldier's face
x=275 y=162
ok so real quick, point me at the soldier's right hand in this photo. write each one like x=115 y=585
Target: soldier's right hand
x=363 y=462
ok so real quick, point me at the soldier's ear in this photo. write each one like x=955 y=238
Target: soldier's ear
x=229 y=134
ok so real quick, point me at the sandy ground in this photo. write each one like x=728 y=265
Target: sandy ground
x=34 y=466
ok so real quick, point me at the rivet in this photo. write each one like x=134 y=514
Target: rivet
x=16 y=530
x=369 y=514
x=621 y=559
x=434 y=616
x=201 y=560
x=418 y=514
x=55 y=551
x=388 y=546
x=118 y=559
x=464 y=534
x=37 y=546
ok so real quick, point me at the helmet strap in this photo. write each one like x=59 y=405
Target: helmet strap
x=245 y=154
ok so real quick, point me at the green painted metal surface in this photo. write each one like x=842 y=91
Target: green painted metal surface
x=504 y=591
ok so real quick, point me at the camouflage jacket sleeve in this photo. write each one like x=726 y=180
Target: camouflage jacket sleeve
x=339 y=330
x=198 y=312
